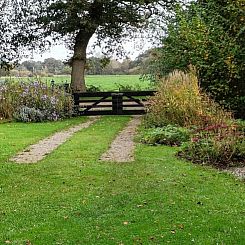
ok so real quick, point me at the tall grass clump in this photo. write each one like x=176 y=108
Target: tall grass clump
x=34 y=101
x=180 y=101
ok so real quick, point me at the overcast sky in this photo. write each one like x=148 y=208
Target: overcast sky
x=134 y=48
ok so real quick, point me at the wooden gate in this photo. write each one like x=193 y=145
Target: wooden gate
x=111 y=103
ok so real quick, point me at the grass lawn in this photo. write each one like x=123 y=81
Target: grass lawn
x=73 y=198
x=105 y=82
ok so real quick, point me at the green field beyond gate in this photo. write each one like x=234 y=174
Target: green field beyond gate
x=103 y=82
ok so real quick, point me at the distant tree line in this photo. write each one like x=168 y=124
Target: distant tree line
x=94 y=66
x=103 y=66
x=29 y=68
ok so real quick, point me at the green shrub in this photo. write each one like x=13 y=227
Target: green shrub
x=240 y=124
x=128 y=88
x=169 y=135
x=93 y=88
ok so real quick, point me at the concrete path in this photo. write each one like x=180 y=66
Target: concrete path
x=122 y=148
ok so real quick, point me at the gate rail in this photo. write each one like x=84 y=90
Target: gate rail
x=111 y=103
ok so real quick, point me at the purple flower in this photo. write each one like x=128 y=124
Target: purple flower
x=44 y=97
x=53 y=100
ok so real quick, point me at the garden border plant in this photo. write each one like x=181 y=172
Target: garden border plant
x=216 y=138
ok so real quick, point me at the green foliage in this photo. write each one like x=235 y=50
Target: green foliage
x=240 y=126
x=93 y=88
x=210 y=36
x=49 y=66
x=168 y=135
x=34 y=101
x=128 y=87
x=180 y=101
x=94 y=66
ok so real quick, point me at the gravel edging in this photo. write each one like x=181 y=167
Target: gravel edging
x=38 y=151
x=122 y=148
x=238 y=172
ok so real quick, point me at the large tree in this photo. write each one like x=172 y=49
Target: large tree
x=76 y=21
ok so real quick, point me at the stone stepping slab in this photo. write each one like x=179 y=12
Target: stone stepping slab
x=38 y=151
x=122 y=148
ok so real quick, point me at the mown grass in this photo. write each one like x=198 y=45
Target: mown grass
x=72 y=197
x=105 y=82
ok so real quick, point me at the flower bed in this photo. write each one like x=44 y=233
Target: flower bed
x=216 y=138
x=34 y=102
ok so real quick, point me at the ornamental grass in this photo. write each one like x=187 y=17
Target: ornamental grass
x=180 y=101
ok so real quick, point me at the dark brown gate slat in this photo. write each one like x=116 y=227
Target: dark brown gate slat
x=94 y=104
x=138 y=101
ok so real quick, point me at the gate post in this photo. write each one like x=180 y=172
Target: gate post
x=76 y=103
x=117 y=103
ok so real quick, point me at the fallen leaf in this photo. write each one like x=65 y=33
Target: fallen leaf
x=199 y=203
x=139 y=206
x=181 y=226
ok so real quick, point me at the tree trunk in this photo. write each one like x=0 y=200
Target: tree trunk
x=79 y=61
